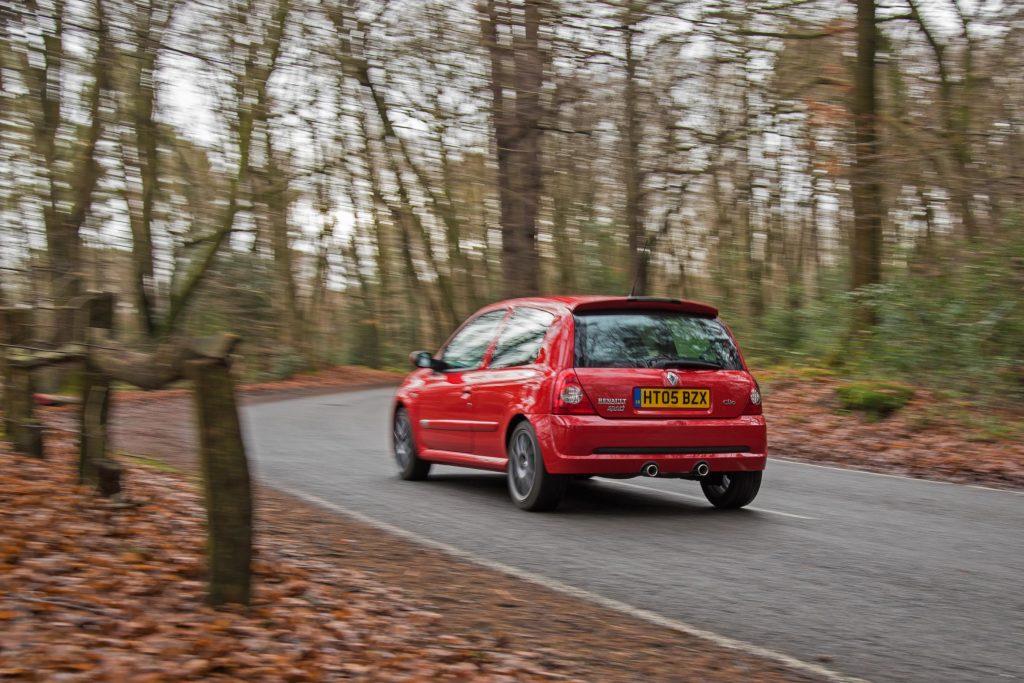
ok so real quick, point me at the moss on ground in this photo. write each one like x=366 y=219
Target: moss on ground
x=150 y=463
x=876 y=398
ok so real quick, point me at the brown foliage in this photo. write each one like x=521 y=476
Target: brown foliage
x=95 y=590
x=121 y=588
x=924 y=439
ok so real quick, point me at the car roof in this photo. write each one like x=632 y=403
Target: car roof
x=597 y=302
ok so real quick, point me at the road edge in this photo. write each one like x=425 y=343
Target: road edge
x=272 y=396
x=250 y=398
x=578 y=593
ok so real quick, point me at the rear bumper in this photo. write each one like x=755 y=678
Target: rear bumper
x=590 y=444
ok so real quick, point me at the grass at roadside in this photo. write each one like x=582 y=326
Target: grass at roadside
x=149 y=463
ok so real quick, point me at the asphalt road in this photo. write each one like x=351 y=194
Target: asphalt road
x=885 y=578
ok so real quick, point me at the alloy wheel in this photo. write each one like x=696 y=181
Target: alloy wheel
x=402 y=439
x=523 y=462
x=720 y=486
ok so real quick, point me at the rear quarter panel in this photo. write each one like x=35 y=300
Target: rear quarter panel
x=735 y=343
x=525 y=390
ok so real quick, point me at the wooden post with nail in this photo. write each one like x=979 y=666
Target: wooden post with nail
x=225 y=475
x=97 y=312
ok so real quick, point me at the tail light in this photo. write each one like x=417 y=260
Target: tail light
x=754 y=406
x=570 y=399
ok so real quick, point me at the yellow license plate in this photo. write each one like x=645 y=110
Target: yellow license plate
x=683 y=399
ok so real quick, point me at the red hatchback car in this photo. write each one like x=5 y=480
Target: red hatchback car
x=549 y=389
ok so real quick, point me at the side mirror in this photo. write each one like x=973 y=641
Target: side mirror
x=422 y=359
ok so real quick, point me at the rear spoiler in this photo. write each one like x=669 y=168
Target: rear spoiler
x=649 y=303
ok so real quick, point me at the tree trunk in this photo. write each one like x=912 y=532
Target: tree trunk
x=562 y=201
x=639 y=258
x=260 y=65
x=226 y=482
x=518 y=68
x=956 y=119
x=141 y=220
x=866 y=242
x=415 y=290
x=275 y=197
x=722 y=234
x=813 y=243
x=63 y=228
x=149 y=26
x=405 y=213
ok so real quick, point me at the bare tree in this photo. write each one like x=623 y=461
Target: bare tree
x=865 y=176
x=512 y=35
x=44 y=66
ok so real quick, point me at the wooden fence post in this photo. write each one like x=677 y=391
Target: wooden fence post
x=98 y=312
x=25 y=433
x=15 y=330
x=66 y=325
x=226 y=481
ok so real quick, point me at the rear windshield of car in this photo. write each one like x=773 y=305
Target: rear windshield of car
x=652 y=339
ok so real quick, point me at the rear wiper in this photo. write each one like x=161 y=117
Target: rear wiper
x=686 y=363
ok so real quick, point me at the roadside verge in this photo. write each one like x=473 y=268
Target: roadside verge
x=445 y=616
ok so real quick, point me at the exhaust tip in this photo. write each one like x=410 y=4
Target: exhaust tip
x=650 y=469
x=701 y=469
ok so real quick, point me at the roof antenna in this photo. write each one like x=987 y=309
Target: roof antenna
x=641 y=253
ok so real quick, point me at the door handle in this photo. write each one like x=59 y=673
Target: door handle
x=466 y=393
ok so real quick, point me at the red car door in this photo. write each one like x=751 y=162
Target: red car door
x=510 y=380
x=444 y=411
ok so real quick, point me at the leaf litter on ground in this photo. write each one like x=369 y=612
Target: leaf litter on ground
x=101 y=590
x=926 y=438
x=95 y=589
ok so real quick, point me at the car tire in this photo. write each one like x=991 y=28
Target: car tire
x=530 y=485
x=403 y=445
x=731 y=490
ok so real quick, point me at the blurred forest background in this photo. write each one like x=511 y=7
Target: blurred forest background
x=345 y=181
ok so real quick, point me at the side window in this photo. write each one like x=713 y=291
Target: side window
x=466 y=350
x=521 y=339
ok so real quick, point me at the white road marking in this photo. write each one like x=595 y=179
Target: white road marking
x=566 y=589
x=992 y=488
x=700 y=499
x=894 y=476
